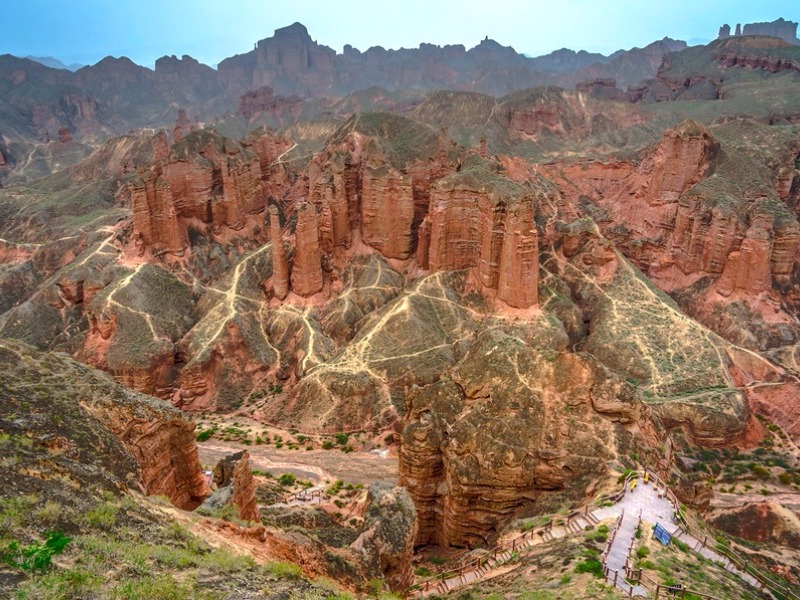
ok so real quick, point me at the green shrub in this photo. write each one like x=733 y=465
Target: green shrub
x=681 y=545
x=287 y=479
x=36 y=557
x=50 y=513
x=285 y=570
x=642 y=552
x=61 y=583
x=203 y=436
x=163 y=587
x=590 y=565
x=102 y=516
x=374 y=587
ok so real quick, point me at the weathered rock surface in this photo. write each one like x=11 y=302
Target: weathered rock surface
x=125 y=438
x=307 y=263
x=234 y=484
x=284 y=109
x=387 y=541
x=207 y=181
x=280 y=265
x=387 y=211
x=759 y=522
x=480 y=221
x=780 y=28
x=480 y=447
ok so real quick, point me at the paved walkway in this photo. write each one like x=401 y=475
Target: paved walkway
x=647 y=502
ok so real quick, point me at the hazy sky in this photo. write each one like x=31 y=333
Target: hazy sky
x=87 y=30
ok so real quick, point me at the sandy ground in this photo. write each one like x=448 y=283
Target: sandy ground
x=315 y=465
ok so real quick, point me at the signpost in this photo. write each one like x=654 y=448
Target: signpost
x=661 y=534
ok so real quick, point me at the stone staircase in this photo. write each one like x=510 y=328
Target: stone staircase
x=651 y=500
x=573 y=524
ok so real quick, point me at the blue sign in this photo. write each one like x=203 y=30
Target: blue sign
x=661 y=534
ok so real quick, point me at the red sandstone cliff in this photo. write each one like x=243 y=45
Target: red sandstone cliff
x=307 y=264
x=280 y=266
x=234 y=483
x=207 y=180
x=480 y=221
x=161 y=440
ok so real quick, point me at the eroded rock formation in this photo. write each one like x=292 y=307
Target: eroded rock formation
x=280 y=265
x=307 y=264
x=144 y=442
x=207 y=180
x=481 y=446
x=233 y=484
x=387 y=541
x=481 y=222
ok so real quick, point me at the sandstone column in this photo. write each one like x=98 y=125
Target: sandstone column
x=307 y=269
x=518 y=281
x=280 y=267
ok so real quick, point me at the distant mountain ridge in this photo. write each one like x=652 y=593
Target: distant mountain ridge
x=41 y=97
x=54 y=63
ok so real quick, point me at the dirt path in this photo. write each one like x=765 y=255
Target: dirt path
x=314 y=465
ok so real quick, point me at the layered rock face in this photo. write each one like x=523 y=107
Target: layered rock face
x=307 y=264
x=695 y=208
x=143 y=441
x=182 y=127
x=291 y=62
x=387 y=211
x=478 y=221
x=387 y=541
x=760 y=522
x=207 y=180
x=780 y=28
x=233 y=482
x=481 y=446
x=263 y=100
x=280 y=266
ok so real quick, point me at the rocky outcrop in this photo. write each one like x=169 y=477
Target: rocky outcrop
x=763 y=522
x=482 y=222
x=387 y=542
x=207 y=180
x=182 y=127
x=307 y=264
x=683 y=157
x=518 y=278
x=233 y=484
x=779 y=28
x=482 y=445
x=387 y=211
x=162 y=441
x=107 y=423
x=284 y=109
x=280 y=265
x=155 y=219
x=601 y=88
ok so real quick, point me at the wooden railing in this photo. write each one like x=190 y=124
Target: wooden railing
x=439 y=582
x=476 y=564
x=306 y=496
x=780 y=589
